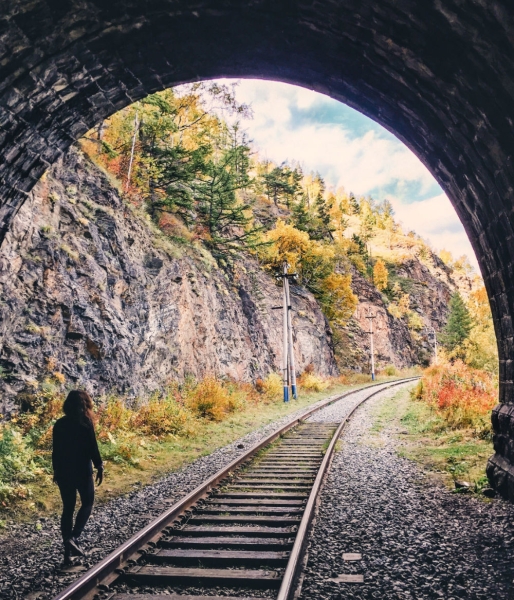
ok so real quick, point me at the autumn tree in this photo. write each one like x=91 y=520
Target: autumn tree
x=315 y=263
x=380 y=274
x=480 y=347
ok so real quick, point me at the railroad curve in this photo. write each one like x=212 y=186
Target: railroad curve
x=244 y=529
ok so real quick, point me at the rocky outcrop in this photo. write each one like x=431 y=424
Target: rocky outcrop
x=429 y=284
x=92 y=294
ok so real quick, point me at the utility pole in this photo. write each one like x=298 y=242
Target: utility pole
x=285 y=337
x=290 y=354
x=136 y=127
x=371 y=317
x=288 y=363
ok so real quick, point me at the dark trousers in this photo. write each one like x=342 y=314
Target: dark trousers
x=69 y=488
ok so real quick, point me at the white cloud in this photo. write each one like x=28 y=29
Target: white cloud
x=359 y=159
x=360 y=164
x=435 y=219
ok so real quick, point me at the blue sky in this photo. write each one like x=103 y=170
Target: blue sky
x=350 y=150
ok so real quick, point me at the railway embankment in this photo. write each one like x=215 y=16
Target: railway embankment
x=414 y=537
x=31 y=554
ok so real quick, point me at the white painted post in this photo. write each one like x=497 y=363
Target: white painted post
x=371 y=317
x=292 y=367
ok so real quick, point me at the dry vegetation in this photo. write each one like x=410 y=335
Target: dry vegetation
x=141 y=440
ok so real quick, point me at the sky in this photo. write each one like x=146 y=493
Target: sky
x=350 y=150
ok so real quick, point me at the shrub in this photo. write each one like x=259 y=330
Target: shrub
x=17 y=464
x=314 y=383
x=272 y=387
x=113 y=415
x=462 y=396
x=210 y=399
x=162 y=416
x=390 y=370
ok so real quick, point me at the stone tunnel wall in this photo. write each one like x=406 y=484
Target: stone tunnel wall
x=437 y=73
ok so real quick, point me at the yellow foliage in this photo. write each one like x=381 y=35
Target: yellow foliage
x=446 y=257
x=339 y=301
x=400 y=309
x=481 y=350
x=211 y=400
x=394 y=310
x=404 y=303
x=161 y=416
x=313 y=383
x=315 y=262
x=271 y=387
x=415 y=321
x=380 y=275
x=289 y=245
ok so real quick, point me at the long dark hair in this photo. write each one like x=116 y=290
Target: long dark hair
x=79 y=405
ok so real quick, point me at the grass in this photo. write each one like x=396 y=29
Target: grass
x=156 y=457
x=446 y=454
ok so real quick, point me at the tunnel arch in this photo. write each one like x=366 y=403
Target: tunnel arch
x=436 y=73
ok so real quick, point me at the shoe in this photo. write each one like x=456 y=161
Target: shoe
x=75 y=548
x=67 y=554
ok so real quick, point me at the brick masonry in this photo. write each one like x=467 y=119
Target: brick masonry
x=437 y=73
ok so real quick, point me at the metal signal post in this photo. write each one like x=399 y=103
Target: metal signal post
x=288 y=363
x=371 y=317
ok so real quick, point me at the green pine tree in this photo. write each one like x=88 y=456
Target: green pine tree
x=227 y=221
x=323 y=228
x=354 y=203
x=457 y=327
x=301 y=216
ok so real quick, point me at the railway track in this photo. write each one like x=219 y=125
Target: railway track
x=244 y=529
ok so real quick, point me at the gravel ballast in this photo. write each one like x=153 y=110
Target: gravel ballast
x=417 y=539
x=31 y=554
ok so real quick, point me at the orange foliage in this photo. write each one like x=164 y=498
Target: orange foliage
x=463 y=396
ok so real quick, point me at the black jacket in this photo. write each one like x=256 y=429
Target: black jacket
x=74 y=447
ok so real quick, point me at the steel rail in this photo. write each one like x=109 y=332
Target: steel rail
x=288 y=587
x=106 y=570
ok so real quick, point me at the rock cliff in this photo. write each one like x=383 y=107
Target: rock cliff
x=429 y=284
x=92 y=294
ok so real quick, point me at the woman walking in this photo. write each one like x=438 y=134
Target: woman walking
x=74 y=449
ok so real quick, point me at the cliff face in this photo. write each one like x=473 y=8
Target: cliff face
x=92 y=292
x=429 y=284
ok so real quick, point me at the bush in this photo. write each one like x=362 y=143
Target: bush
x=390 y=370
x=313 y=383
x=17 y=464
x=271 y=387
x=462 y=396
x=210 y=400
x=162 y=416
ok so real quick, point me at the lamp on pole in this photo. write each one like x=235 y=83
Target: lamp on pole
x=371 y=317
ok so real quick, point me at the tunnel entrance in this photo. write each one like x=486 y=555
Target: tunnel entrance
x=438 y=75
